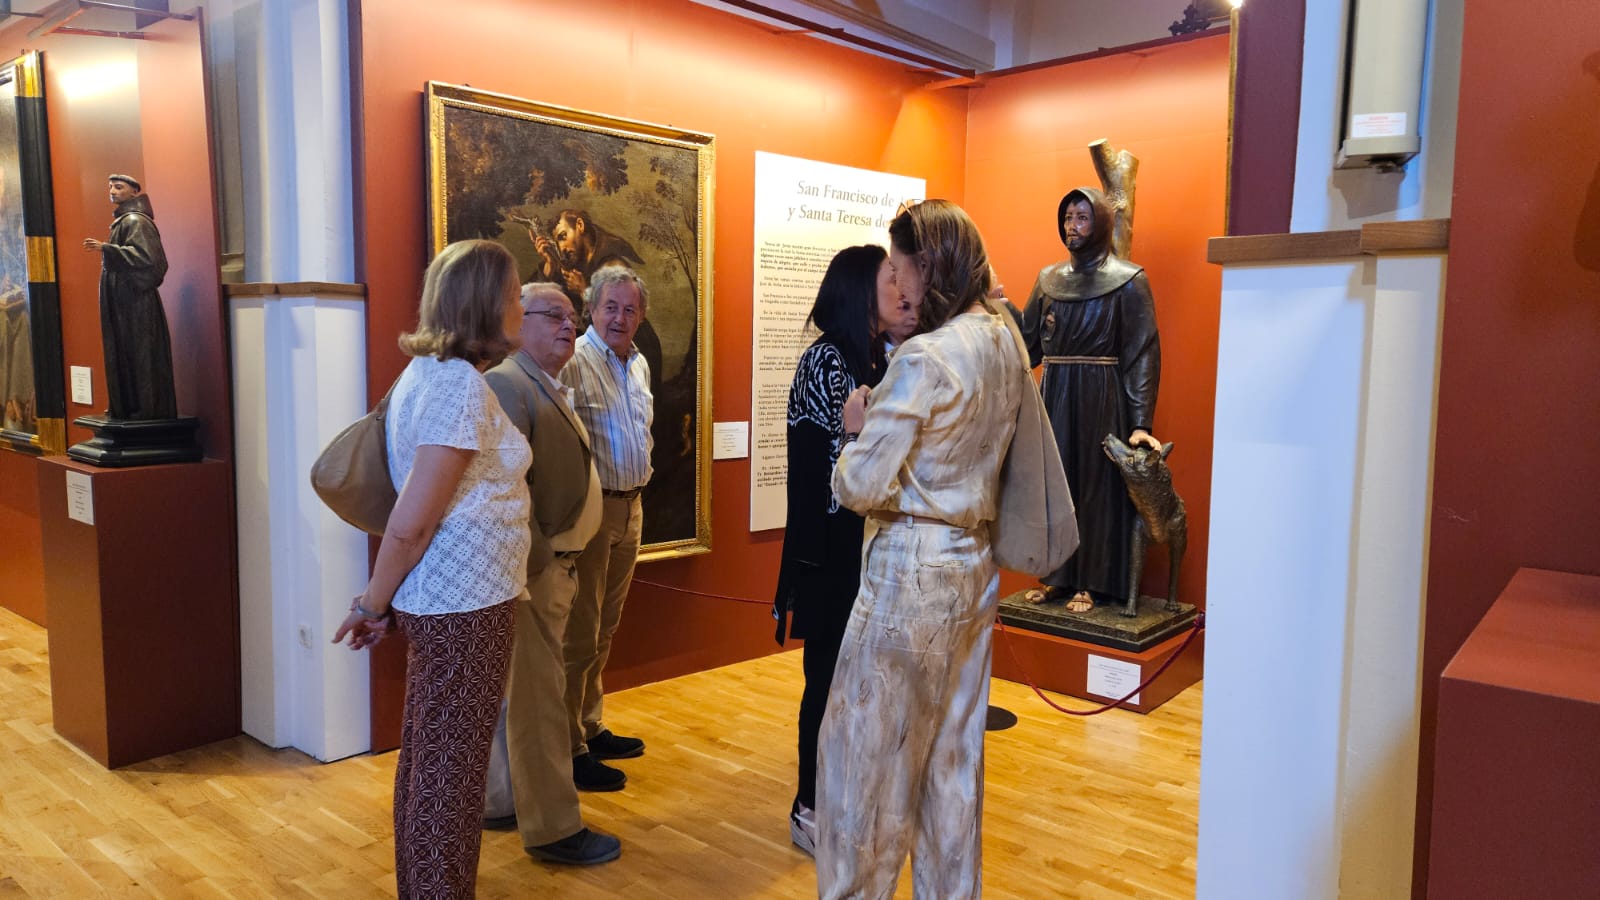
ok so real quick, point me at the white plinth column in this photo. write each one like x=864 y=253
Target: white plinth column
x=1323 y=445
x=299 y=378
x=1379 y=784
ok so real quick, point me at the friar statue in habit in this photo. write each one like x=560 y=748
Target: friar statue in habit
x=133 y=324
x=1092 y=322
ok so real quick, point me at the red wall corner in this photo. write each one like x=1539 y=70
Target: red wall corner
x=1518 y=439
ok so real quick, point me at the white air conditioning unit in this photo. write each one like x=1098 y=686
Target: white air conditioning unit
x=1384 y=54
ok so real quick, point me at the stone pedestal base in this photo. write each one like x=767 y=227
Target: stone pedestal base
x=121 y=443
x=1104 y=625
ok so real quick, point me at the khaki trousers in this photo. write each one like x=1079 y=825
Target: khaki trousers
x=605 y=570
x=900 y=755
x=530 y=771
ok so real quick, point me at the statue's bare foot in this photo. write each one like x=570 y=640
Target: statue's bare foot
x=1080 y=603
x=1044 y=593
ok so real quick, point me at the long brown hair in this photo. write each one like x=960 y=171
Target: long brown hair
x=946 y=243
x=462 y=313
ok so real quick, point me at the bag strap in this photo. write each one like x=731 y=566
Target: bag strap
x=381 y=408
x=1022 y=346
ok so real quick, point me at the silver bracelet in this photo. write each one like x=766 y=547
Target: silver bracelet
x=355 y=606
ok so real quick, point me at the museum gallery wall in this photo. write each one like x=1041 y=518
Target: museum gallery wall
x=673 y=64
x=698 y=69
x=1518 y=438
x=139 y=107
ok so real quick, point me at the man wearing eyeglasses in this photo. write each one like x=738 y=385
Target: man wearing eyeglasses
x=530 y=776
x=610 y=383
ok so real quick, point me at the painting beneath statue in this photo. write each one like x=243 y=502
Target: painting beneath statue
x=568 y=192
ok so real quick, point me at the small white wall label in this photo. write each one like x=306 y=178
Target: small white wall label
x=80 y=497
x=731 y=440
x=82 y=392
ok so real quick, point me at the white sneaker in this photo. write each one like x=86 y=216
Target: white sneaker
x=803 y=829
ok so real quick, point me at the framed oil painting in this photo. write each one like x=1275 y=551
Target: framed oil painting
x=32 y=399
x=567 y=192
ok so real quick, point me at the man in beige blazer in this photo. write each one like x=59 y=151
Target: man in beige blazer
x=530 y=770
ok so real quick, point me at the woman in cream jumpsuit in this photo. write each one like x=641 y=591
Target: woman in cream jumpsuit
x=901 y=749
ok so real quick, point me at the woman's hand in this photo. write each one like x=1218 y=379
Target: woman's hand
x=855 y=409
x=362 y=629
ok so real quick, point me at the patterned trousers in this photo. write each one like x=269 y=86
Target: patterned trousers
x=455 y=679
x=900 y=757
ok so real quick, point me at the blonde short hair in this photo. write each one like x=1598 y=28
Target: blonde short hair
x=462 y=313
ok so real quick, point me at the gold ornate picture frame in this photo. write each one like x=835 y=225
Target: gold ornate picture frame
x=32 y=392
x=526 y=174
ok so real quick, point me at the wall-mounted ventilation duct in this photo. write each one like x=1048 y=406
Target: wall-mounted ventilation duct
x=1383 y=83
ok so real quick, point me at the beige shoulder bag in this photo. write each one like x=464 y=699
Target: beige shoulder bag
x=1035 y=529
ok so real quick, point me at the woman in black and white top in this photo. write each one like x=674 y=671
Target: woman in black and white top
x=858 y=306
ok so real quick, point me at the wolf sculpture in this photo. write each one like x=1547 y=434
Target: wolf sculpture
x=1162 y=518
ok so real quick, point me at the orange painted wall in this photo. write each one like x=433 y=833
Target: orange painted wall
x=674 y=63
x=1168 y=105
x=1006 y=150
x=21 y=547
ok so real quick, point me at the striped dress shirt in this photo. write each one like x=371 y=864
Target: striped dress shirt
x=612 y=397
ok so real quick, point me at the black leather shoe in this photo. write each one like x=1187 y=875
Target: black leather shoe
x=606 y=745
x=585 y=848
x=500 y=823
x=590 y=774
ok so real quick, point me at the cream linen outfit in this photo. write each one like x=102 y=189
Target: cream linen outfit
x=901 y=750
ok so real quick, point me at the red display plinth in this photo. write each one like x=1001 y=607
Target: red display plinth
x=1062 y=665
x=144 y=631
x=1516 y=803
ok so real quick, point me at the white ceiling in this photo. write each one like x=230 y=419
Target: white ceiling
x=990 y=34
x=969 y=34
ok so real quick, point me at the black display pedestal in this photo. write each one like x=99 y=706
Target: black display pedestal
x=120 y=443
x=1104 y=625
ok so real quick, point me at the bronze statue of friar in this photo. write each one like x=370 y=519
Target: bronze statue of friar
x=1091 y=321
x=133 y=323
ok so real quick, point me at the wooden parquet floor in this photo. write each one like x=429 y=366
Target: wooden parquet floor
x=1098 y=807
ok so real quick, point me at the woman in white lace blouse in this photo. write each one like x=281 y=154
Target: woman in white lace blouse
x=901 y=750
x=452 y=557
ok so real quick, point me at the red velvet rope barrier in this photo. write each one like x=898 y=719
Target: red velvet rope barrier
x=1199 y=626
